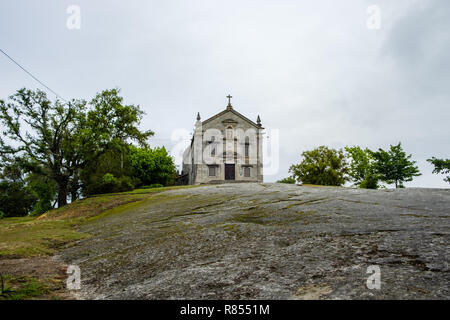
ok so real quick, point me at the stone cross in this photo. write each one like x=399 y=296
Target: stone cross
x=229 y=99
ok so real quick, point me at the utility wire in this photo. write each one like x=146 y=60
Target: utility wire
x=31 y=75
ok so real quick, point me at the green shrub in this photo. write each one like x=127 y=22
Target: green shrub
x=290 y=180
x=370 y=182
x=126 y=183
x=111 y=184
x=321 y=166
x=152 y=166
x=111 y=172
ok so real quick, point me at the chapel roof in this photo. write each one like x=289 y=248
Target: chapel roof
x=229 y=108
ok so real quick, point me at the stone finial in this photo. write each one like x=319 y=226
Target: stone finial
x=258 y=121
x=198 y=116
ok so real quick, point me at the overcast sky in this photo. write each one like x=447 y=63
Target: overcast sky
x=312 y=69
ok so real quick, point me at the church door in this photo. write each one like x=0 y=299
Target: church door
x=229 y=171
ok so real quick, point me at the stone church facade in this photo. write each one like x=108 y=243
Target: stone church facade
x=224 y=148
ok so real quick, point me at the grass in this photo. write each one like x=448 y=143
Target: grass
x=23 y=287
x=48 y=233
x=95 y=205
x=25 y=237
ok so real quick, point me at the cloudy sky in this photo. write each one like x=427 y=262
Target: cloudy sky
x=311 y=69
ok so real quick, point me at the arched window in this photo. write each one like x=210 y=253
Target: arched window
x=247 y=147
x=213 y=147
x=229 y=132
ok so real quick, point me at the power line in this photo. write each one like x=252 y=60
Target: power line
x=31 y=75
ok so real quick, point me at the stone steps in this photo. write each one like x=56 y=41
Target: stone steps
x=228 y=181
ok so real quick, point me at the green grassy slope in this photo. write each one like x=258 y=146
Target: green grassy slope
x=44 y=235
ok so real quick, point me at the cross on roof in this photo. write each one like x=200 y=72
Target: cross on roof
x=229 y=99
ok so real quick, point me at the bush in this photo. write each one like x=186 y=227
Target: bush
x=152 y=166
x=126 y=183
x=321 y=166
x=370 y=182
x=290 y=180
x=111 y=172
x=111 y=184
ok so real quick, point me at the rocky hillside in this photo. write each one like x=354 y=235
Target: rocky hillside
x=268 y=241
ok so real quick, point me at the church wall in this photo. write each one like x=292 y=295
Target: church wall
x=199 y=172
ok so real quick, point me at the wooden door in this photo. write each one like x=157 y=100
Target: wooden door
x=229 y=171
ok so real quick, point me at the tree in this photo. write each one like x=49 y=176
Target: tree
x=57 y=140
x=45 y=191
x=290 y=180
x=15 y=199
x=441 y=166
x=38 y=147
x=321 y=166
x=152 y=166
x=394 y=166
x=361 y=169
x=111 y=172
x=38 y=191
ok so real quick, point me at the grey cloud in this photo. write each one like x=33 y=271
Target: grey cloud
x=311 y=69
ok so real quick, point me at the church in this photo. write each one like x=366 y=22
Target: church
x=226 y=147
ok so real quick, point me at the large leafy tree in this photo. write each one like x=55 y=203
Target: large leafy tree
x=321 y=166
x=57 y=140
x=394 y=166
x=35 y=128
x=361 y=169
x=441 y=166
